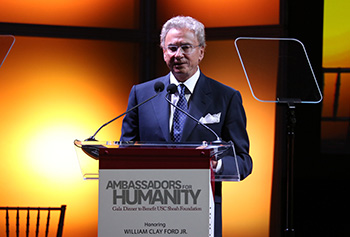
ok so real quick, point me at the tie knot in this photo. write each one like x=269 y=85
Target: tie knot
x=181 y=88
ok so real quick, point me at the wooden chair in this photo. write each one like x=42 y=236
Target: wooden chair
x=27 y=222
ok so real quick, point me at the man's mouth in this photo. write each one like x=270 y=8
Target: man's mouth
x=178 y=63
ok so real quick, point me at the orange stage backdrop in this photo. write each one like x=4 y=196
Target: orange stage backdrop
x=222 y=13
x=52 y=92
x=56 y=90
x=90 y=13
x=246 y=205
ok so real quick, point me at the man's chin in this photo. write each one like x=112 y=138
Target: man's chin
x=180 y=75
x=179 y=68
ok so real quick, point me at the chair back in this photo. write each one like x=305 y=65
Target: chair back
x=12 y=215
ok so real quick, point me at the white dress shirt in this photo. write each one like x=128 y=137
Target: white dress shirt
x=190 y=84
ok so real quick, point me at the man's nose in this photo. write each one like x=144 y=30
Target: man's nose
x=179 y=53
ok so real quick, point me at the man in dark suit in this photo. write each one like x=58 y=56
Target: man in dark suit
x=216 y=105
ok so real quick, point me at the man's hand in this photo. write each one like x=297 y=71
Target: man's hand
x=214 y=163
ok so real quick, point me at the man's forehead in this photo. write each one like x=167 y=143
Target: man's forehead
x=181 y=34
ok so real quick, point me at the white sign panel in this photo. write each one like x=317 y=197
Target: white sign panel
x=157 y=202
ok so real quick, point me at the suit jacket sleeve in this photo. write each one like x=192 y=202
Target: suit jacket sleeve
x=130 y=127
x=234 y=130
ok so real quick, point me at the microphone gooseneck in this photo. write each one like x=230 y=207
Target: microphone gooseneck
x=172 y=89
x=158 y=87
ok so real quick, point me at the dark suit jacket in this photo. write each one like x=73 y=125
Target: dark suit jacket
x=150 y=122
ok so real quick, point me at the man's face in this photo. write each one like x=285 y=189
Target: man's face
x=182 y=65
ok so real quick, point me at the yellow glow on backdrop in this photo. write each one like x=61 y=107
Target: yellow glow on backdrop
x=336 y=33
x=54 y=91
x=336 y=53
x=246 y=205
x=222 y=13
x=90 y=13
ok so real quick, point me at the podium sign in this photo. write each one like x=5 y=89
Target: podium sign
x=149 y=189
x=155 y=192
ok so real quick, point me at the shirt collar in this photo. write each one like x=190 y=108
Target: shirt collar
x=190 y=83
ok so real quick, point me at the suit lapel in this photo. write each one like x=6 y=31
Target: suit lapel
x=161 y=109
x=199 y=103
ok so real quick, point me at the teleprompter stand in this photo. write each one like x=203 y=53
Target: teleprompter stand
x=279 y=71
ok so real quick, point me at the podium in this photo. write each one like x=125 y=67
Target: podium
x=153 y=189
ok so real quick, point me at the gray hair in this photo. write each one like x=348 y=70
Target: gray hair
x=183 y=22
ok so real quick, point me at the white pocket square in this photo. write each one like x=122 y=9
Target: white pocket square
x=210 y=118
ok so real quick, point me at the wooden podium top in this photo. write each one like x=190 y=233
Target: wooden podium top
x=155 y=158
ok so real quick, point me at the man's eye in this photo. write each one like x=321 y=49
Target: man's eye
x=185 y=47
x=172 y=48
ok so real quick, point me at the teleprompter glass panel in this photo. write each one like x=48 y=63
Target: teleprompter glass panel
x=280 y=63
x=6 y=43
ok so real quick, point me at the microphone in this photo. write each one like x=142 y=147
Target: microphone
x=172 y=89
x=158 y=87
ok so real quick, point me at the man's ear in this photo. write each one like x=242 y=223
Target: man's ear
x=201 y=53
x=164 y=54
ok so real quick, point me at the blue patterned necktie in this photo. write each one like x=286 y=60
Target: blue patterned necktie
x=179 y=117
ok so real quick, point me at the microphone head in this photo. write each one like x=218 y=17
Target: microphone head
x=158 y=86
x=171 y=89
